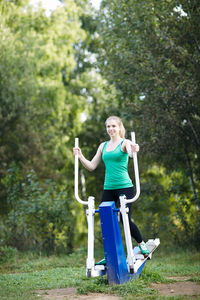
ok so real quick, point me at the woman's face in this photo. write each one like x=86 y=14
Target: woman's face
x=112 y=128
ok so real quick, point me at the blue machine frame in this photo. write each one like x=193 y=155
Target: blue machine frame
x=120 y=267
x=116 y=265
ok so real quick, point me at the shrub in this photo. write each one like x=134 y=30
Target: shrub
x=40 y=216
x=7 y=254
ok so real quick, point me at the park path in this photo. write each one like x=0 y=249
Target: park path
x=180 y=286
x=70 y=294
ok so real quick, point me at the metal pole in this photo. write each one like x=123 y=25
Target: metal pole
x=124 y=211
x=136 y=172
x=90 y=212
x=76 y=177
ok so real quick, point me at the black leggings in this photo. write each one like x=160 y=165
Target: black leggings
x=113 y=195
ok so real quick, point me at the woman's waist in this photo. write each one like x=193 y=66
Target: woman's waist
x=115 y=179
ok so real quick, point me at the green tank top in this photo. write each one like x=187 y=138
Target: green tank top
x=116 y=164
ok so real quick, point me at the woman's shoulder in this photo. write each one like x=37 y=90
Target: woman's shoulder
x=102 y=145
x=125 y=142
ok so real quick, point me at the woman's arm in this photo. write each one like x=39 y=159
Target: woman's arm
x=89 y=165
x=129 y=147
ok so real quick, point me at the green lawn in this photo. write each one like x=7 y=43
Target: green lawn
x=19 y=280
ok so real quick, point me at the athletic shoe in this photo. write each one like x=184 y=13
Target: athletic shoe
x=101 y=262
x=144 y=249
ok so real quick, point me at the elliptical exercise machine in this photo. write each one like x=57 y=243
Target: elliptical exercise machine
x=119 y=267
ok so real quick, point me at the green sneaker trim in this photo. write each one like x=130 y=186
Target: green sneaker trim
x=101 y=262
x=144 y=249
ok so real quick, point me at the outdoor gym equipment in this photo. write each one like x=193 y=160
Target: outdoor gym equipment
x=120 y=267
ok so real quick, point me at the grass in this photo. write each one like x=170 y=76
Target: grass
x=29 y=272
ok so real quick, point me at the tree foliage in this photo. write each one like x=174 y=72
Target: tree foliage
x=40 y=92
x=45 y=82
x=138 y=60
x=151 y=53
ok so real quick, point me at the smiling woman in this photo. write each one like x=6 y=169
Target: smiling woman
x=115 y=154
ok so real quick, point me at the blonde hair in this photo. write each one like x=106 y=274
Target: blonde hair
x=122 y=130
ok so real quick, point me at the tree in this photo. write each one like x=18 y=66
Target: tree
x=151 y=53
x=47 y=82
x=40 y=92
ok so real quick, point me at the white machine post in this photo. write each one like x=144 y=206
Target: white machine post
x=91 y=269
x=136 y=171
x=129 y=246
x=76 y=177
x=124 y=211
x=90 y=212
x=134 y=259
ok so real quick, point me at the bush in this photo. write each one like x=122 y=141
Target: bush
x=167 y=208
x=7 y=254
x=40 y=215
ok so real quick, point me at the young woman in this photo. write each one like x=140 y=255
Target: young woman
x=115 y=154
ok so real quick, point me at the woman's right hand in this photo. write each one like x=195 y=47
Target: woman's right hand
x=77 y=151
x=89 y=165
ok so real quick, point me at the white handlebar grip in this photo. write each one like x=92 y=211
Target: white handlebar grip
x=76 y=142
x=133 y=137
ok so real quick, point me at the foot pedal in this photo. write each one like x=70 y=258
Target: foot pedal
x=139 y=256
x=153 y=244
x=97 y=270
x=100 y=267
x=149 y=256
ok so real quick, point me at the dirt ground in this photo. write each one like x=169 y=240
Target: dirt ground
x=182 y=286
x=70 y=294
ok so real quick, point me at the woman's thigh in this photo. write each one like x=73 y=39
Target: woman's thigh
x=109 y=195
x=113 y=195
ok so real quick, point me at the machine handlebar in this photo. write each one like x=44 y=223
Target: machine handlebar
x=136 y=172
x=76 y=177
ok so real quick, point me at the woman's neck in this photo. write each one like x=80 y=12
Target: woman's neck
x=115 y=139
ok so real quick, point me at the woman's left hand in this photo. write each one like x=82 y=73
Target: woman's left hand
x=130 y=147
x=135 y=147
